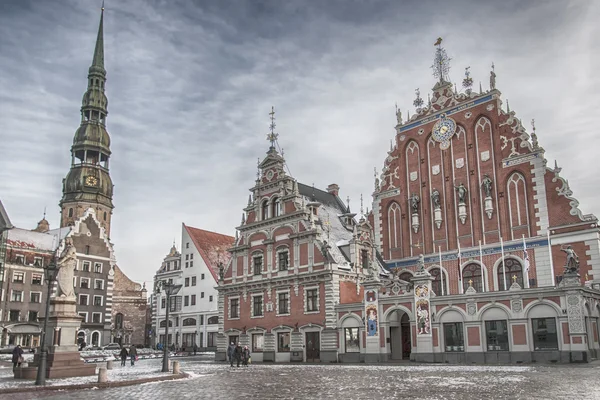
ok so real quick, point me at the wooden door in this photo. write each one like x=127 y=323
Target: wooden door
x=313 y=346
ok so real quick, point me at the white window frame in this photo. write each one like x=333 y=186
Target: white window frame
x=18 y=273
x=89 y=266
x=252 y=297
x=238 y=307
x=41 y=261
x=20 y=259
x=81 y=280
x=96 y=313
x=96 y=264
x=101 y=301
x=83 y=314
x=87 y=301
x=257 y=254
x=40 y=275
x=37 y=302
x=12 y=293
x=282 y=249
x=277 y=293
x=98 y=280
x=307 y=288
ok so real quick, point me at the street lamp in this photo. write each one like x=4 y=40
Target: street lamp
x=170 y=290
x=50 y=272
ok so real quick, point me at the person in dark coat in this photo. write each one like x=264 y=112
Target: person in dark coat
x=132 y=354
x=195 y=348
x=123 y=355
x=238 y=354
x=245 y=356
x=17 y=356
x=230 y=353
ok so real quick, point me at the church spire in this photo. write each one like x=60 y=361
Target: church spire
x=98 y=60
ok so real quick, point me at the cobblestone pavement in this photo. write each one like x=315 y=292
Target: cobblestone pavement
x=282 y=381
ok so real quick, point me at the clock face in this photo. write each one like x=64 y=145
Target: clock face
x=91 y=181
x=443 y=131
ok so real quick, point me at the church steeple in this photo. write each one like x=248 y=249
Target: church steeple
x=88 y=183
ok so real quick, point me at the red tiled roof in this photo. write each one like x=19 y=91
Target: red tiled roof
x=212 y=247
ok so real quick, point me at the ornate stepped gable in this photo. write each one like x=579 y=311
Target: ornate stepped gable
x=463 y=167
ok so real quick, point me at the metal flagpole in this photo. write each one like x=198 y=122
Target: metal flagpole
x=526 y=260
x=441 y=270
x=481 y=266
x=551 y=261
x=503 y=269
x=460 y=278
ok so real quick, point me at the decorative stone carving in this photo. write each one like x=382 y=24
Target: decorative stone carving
x=516 y=305
x=572 y=262
x=460 y=162
x=435 y=170
x=471 y=308
x=437 y=208
x=575 y=313
x=66 y=270
x=414 y=205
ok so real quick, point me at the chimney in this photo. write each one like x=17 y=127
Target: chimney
x=334 y=189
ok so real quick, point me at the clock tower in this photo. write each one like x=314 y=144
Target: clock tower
x=88 y=184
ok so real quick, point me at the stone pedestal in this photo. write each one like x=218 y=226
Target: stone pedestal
x=423 y=349
x=372 y=326
x=61 y=341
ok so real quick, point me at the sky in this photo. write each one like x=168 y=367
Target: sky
x=191 y=83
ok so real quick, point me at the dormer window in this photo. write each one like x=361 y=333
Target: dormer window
x=364 y=254
x=265 y=210
x=20 y=259
x=276 y=207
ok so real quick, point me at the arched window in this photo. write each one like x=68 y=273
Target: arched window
x=70 y=212
x=276 y=207
x=189 y=322
x=163 y=324
x=213 y=320
x=105 y=215
x=119 y=321
x=513 y=268
x=394 y=228
x=265 y=210
x=436 y=285
x=95 y=339
x=405 y=276
x=472 y=272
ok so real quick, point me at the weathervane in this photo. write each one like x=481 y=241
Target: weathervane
x=272 y=136
x=468 y=81
x=441 y=62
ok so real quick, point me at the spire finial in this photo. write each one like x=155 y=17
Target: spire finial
x=348 y=204
x=272 y=136
x=258 y=169
x=44 y=212
x=467 y=81
x=441 y=62
x=418 y=103
x=534 y=140
x=313 y=192
x=507 y=106
x=480 y=88
x=398 y=115
x=98 y=60
x=533 y=125
x=361 y=205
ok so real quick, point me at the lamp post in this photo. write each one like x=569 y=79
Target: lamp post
x=170 y=290
x=50 y=273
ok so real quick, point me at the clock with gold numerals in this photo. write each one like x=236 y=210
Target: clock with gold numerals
x=91 y=181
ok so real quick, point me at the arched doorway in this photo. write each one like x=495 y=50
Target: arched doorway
x=400 y=340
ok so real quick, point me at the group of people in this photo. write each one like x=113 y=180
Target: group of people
x=239 y=354
x=132 y=353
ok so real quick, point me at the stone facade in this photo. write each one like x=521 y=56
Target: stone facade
x=129 y=311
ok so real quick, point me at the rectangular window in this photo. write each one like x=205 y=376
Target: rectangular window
x=83 y=300
x=96 y=318
x=99 y=284
x=544 y=334
x=20 y=259
x=312 y=303
x=201 y=295
x=35 y=297
x=453 y=337
x=38 y=262
x=84 y=316
x=187 y=256
x=202 y=276
x=193 y=281
x=283 y=342
x=283 y=305
x=283 y=261
x=201 y=320
x=98 y=300
x=187 y=245
x=193 y=300
x=86 y=266
x=187 y=264
x=98 y=268
x=187 y=282
x=18 y=277
x=36 y=279
x=257 y=261
x=234 y=308
x=191 y=264
x=191 y=256
x=257 y=342
x=364 y=255
x=186 y=301
x=84 y=283
x=351 y=340
x=163 y=303
x=210 y=298
x=17 y=295
x=32 y=316
x=257 y=309
x=211 y=339
x=496 y=333
x=13 y=316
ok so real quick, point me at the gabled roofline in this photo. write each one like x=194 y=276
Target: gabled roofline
x=202 y=251
x=4 y=220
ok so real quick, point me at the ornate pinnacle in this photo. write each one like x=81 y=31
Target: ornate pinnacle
x=467 y=81
x=361 y=204
x=272 y=136
x=534 y=140
x=441 y=62
x=418 y=103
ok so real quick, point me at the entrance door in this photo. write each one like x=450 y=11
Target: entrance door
x=313 y=346
x=396 y=343
x=406 y=340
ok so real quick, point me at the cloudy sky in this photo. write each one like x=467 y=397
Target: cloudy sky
x=191 y=83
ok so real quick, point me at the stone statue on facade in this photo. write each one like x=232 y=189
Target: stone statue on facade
x=492 y=79
x=421 y=263
x=221 y=271
x=435 y=198
x=462 y=193
x=66 y=270
x=399 y=117
x=486 y=185
x=572 y=263
x=414 y=203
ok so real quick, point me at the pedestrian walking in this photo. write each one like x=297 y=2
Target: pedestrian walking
x=238 y=354
x=123 y=355
x=230 y=351
x=17 y=356
x=132 y=354
x=245 y=356
x=195 y=348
